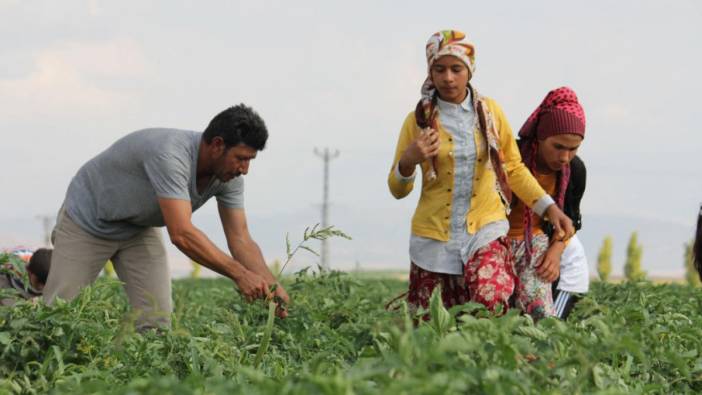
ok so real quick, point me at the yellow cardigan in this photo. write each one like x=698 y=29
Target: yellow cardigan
x=432 y=217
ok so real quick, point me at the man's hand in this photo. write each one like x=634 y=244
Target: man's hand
x=424 y=147
x=562 y=225
x=548 y=267
x=252 y=286
x=281 y=298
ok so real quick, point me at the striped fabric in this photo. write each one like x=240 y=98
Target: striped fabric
x=561 y=303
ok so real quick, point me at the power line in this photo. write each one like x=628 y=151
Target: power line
x=326 y=156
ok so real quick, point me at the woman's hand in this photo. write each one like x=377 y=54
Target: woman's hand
x=562 y=225
x=424 y=147
x=548 y=267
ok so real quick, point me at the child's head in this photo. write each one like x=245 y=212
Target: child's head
x=38 y=267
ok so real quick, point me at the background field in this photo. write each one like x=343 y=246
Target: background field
x=624 y=338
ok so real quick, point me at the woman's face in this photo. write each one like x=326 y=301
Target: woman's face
x=450 y=77
x=556 y=151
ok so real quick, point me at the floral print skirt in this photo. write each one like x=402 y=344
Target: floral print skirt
x=533 y=296
x=488 y=278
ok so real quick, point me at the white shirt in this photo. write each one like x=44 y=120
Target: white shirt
x=575 y=276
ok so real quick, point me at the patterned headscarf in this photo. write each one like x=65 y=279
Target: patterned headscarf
x=559 y=113
x=445 y=42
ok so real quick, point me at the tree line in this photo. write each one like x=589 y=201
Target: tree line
x=632 y=265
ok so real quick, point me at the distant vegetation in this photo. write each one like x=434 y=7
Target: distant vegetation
x=604 y=259
x=632 y=267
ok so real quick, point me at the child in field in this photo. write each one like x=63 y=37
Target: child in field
x=548 y=143
x=23 y=273
x=470 y=164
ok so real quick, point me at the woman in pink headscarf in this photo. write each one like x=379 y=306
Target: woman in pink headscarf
x=548 y=143
x=470 y=164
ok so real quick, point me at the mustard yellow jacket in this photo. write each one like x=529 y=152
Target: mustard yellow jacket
x=433 y=213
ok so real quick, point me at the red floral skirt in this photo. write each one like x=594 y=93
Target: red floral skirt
x=488 y=278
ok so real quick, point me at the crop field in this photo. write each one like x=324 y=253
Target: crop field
x=626 y=338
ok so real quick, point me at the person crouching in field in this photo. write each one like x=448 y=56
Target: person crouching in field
x=697 y=247
x=470 y=164
x=153 y=178
x=23 y=274
x=548 y=142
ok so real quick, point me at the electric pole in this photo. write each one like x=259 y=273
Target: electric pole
x=326 y=156
x=47 y=222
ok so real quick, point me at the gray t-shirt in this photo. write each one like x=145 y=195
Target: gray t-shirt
x=114 y=195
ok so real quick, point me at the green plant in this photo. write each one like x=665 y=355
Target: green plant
x=315 y=233
x=628 y=338
x=109 y=269
x=11 y=264
x=277 y=303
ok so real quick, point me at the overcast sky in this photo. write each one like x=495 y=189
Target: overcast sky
x=77 y=75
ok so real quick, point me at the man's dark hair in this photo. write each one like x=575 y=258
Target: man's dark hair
x=39 y=264
x=238 y=124
x=697 y=247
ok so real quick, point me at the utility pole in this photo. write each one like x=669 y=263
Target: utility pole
x=326 y=156
x=47 y=222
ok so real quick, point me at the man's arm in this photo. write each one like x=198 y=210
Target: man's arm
x=246 y=250
x=193 y=243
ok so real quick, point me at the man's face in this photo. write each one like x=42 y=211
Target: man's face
x=233 y=162
x=557 y=151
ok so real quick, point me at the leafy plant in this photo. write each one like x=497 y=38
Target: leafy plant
x=629 y=338
x=315 y=233
x=278 y=303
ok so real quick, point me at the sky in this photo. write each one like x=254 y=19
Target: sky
x=77 y=75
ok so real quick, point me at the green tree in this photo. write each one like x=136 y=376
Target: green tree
x=632 y=267
x=195 y=273
x=604 y=259
x=690 y=271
